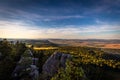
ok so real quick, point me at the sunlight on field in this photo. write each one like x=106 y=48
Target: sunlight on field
x=28 y=45
x=44 y=48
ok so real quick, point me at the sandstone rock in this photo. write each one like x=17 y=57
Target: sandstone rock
x=54 y=62
x=26 y=67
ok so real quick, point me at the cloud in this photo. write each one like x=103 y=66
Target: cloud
x=16 y=14
x=9 y=29
x=36 y=21
x=52 y=18
x=22 y=30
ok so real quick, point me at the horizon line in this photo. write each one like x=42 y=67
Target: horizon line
x=59 y=38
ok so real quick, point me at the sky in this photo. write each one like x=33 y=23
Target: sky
x=66 y=19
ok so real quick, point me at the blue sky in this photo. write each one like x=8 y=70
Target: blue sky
x=69 y=19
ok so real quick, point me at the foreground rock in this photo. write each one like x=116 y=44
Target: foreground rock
x=26 y=68
x=53 y=63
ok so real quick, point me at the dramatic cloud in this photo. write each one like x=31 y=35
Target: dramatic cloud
x=60 y=19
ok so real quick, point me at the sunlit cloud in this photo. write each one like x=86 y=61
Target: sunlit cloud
x=22 y=30
x=15 y=30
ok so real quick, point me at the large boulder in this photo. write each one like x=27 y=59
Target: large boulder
x=54 y=62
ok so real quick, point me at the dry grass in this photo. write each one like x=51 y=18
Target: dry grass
x=113 y=46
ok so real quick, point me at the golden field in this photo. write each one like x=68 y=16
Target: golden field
x=44 y=48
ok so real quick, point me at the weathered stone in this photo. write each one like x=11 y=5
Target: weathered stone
x=54 y=62
x=26 y=67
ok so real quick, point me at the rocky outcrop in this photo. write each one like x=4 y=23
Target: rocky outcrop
x=26 y=67
x=54 y=62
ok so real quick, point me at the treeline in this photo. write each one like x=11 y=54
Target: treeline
x=10 y=53
x=88 y=55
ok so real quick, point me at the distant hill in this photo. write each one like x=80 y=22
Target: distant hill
x=40 y=43
x=99 y=43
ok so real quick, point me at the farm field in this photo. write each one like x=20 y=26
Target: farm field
x=112 y=44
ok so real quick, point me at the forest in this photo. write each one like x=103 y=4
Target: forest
x=86 y=63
